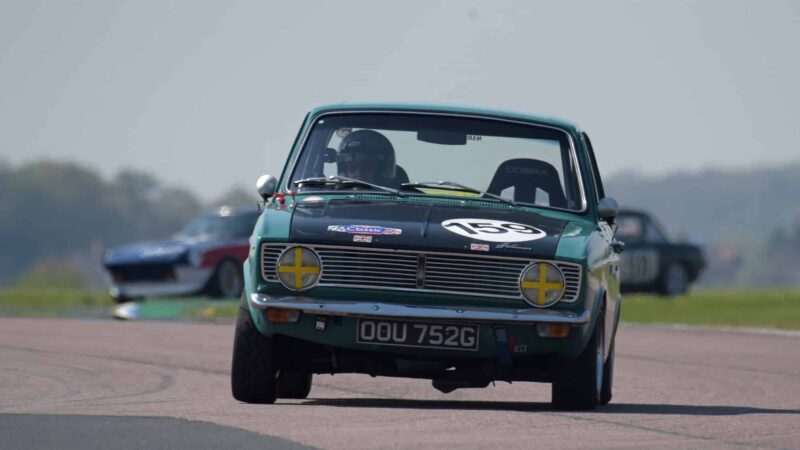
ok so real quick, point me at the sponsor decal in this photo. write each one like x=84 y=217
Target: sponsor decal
x=313 y=199
x=493 y=230
x=365 y=229
x=362 y=238
x=479 y=247
x=511 y=246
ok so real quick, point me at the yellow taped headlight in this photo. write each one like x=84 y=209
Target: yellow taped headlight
x=542 y=284
x=298 y=268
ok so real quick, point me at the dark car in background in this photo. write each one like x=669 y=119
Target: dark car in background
x=652 y=262
x=204 y=258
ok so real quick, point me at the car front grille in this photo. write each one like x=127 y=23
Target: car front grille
x=141 y=272
x=421 y=271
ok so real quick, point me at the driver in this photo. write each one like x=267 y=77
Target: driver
x=367 y=155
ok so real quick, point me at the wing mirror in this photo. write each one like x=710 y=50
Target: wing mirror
x=266 y=185
x=607 y=209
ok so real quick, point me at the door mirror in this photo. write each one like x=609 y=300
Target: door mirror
x=607 y=209
x=266 y=185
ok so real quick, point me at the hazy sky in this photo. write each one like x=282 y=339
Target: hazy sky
x=209 y=95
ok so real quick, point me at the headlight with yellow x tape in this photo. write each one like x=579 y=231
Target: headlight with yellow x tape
x=542 y=284
x=298 y=268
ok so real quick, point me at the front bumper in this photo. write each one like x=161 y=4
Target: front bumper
x=342 y=316
x=444 y=313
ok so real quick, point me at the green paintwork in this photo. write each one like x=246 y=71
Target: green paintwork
x=583 y=241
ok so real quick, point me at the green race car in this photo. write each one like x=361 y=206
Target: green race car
x=457 y=245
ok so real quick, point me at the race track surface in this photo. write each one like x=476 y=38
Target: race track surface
x=673 y=389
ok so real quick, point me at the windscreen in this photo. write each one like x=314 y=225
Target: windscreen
x=524 y=163
x=219 y=226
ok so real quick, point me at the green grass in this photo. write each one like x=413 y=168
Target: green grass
x=76 y=302
x=25 y=297
x=767 y=308
x=200 y=308
x=760 y=308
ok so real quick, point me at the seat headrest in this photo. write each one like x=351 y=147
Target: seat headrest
x=526 y=176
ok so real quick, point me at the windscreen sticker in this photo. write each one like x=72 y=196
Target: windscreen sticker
x=365 y=229
x=493 y=230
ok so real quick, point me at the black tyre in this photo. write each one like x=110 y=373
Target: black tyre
x=294 y=384
x=253 y=375
x=608 y=378
x=675 y=280
x=582 y=392
x=227 y=280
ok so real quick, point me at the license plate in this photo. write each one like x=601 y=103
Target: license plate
x=417 y=334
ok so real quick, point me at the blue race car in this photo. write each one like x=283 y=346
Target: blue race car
x=204 y=258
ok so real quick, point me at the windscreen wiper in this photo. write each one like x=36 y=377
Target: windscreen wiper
x=345 y=181
x=449 y=185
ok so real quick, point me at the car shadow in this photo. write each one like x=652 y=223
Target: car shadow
x=613 y=408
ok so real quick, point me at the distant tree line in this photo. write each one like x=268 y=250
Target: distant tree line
x=51 y=210
x=747 y=221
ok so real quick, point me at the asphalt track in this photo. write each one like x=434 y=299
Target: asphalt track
x=64 y=384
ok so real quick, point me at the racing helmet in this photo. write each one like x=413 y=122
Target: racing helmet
x=367 y=155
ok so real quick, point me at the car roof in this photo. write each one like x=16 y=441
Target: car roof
x=465 y=110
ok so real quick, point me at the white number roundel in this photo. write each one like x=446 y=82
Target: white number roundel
x=493 y=230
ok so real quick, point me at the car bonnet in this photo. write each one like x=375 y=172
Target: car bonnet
x=497 y=229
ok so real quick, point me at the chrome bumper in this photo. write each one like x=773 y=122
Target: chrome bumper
x=376 y=309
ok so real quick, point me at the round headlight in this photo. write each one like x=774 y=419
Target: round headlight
x=298 y=268
x=542 y=284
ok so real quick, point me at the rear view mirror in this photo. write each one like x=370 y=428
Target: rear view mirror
x=607 y=209
x=442 y=137
x=265 y=186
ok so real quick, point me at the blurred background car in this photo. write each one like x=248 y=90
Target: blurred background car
x=204 y=258
x=652 y=262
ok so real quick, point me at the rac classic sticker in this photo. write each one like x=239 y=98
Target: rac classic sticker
x=365 y=229
x=493 y=230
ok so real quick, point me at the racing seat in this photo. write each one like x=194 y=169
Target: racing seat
x=400 y=175
x=526 y=176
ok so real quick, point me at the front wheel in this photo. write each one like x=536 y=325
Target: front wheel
x=253 y=374
x=294 y=384
x=676 y=280
x=227 y=281
x=608 y=377
x=583 y=391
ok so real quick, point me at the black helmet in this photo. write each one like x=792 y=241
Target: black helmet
x=368 y=156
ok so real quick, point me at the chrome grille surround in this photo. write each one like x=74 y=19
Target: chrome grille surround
x=446 y=273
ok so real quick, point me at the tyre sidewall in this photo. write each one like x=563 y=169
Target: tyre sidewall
x=253 y=375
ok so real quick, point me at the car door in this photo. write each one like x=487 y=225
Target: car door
x=613 y=296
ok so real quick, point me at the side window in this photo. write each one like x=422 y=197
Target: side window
x=630 y=228
x=595 y=172
x=654 y=232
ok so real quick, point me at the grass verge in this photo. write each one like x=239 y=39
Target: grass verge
x=52 y=302
x=72 y=302
x=761 y=308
